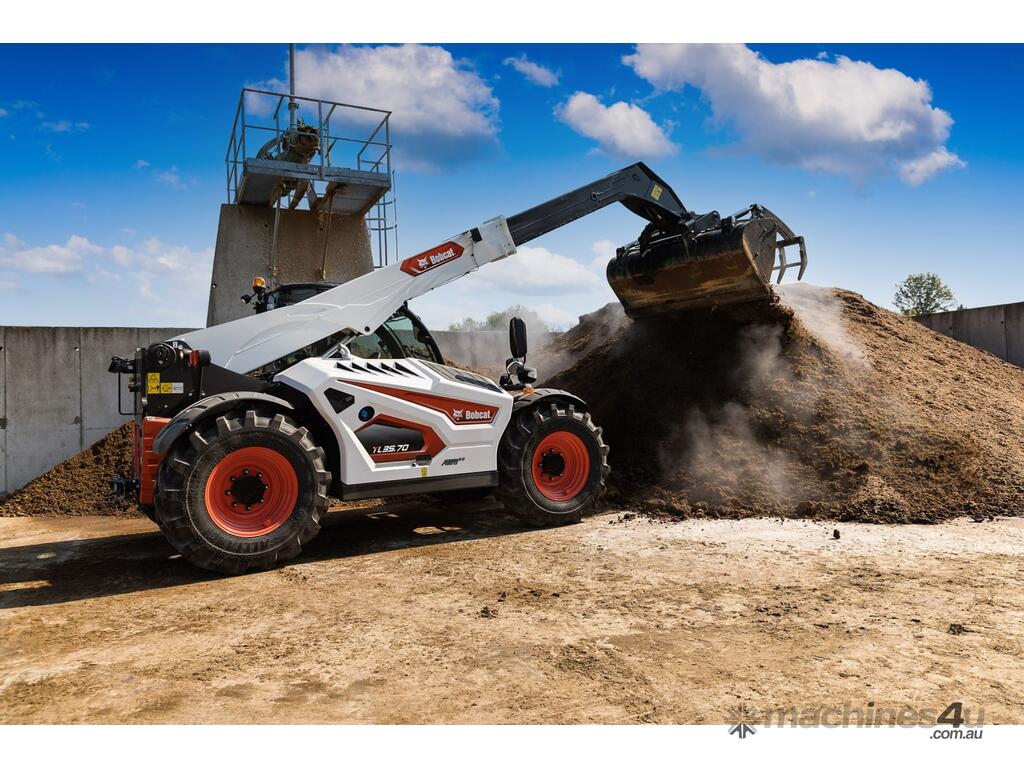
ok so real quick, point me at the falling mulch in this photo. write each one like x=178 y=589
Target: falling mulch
x=78 y=486
x=821 y=406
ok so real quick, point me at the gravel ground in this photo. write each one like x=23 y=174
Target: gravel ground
x=407 y=613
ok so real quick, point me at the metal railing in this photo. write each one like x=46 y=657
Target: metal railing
x=382 y=222
x=263 y=119
x=266 y=121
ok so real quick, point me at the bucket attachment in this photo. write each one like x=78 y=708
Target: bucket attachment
x=730 y=263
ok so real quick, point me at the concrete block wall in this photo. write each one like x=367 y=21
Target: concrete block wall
x=56 y=396
x=997 y=329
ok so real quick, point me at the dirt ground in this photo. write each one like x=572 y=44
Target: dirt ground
x=408 y=613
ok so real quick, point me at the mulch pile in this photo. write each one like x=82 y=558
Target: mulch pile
x=78 y=486
x=825 y=406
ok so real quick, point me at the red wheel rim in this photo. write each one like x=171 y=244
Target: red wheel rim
x=561 y=465
x=251 y=492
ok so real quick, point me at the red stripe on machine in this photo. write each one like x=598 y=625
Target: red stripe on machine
x=457 y=411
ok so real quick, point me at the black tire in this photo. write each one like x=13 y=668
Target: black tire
x=519 y=490
x=181 y=509
x=149 y=511
x=462 y=496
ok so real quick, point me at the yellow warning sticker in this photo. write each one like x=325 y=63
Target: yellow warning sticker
x=152 y=383
x=166 y=388
x=423 y=471
x=656 y=192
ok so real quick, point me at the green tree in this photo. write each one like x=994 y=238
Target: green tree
x=922 y=294
x=498 y=321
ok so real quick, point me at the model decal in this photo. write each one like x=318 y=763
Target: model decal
x=388 y=438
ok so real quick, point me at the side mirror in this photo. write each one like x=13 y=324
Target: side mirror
x=517 y=337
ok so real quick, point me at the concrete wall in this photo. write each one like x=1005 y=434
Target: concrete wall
x=245 y=242
x=998 y=329
x=56 y=397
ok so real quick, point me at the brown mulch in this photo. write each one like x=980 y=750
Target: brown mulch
x=78 y=486
x=865 y=415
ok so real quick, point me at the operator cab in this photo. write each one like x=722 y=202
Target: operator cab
x=285 y=295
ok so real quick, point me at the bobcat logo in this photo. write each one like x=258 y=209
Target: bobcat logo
x=456 y=413
x=435 y=257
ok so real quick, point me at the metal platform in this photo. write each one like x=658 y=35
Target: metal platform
x=301 y=153
x=347 y=190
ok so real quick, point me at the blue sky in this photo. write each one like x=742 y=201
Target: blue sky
x=890 y=159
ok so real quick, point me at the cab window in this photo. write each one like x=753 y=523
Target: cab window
x=293 y=295
x=372 y=346
x=405 y=330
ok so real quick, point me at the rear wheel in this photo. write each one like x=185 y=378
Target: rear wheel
x=243 y=492
x=552 y=464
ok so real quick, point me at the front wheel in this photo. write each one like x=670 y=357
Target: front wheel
x=552 y=464
x=243 y=492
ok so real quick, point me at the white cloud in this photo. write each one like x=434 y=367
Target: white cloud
x=914 y=172
x=122 y=255
x=171 y=178
x=534 y=271
x=64 y=126
x=844 y=117
x=537 y=74
x=443 y=113
x=49 y=259
x=621 y=130
x=604 y=251
x=171 y=280
x=174 y=275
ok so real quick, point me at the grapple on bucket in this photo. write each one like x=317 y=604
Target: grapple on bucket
x=675 y=269
x=683 y=259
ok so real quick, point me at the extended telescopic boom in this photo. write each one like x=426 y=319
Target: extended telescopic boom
x=361 y=305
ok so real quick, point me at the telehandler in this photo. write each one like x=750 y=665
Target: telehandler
x=244 y=429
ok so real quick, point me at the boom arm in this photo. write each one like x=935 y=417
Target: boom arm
x=363 y=304
x=637 y=187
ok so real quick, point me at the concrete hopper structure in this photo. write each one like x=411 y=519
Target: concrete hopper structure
x=309 y=196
